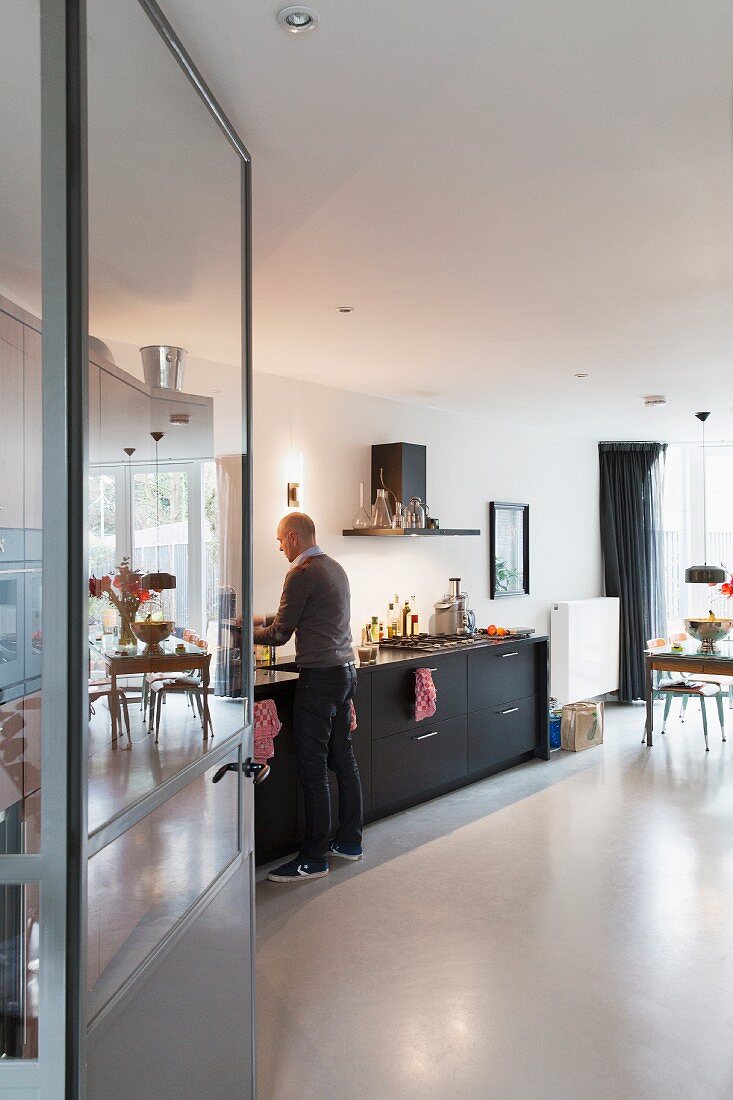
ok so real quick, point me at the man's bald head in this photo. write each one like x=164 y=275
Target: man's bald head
x=296 y=532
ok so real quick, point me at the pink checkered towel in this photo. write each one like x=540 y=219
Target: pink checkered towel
x=352 y=716
x=425 y=694
x=267 y=727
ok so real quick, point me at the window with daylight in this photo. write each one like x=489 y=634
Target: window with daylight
x=684 y=523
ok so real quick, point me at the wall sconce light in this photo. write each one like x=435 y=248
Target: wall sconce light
x=293 y=494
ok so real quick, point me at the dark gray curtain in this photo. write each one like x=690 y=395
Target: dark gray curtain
x=631 y=541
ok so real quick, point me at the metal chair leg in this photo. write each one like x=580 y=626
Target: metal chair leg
x=721 y=712
x=685 y=701
x=667 y=705
x=126 y=713
x=704 y=722
x=159 y=702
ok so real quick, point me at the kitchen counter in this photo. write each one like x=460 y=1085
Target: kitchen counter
x=491 y=714
x=388 y=657
x=267 y=680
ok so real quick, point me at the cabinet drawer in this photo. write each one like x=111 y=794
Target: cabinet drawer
x=503 y=732
x=393 y=693
x=496 y=675
x=407 y=764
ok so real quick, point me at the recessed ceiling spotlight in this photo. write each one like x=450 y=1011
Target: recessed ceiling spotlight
x=296 y=19
x=652 y=399
x=344 y=309
x=582 y=376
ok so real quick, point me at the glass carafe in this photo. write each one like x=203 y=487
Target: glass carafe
x=381 y=515
x=362 y=518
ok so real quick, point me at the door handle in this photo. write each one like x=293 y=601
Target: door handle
x=258 y=773
x=422 y=736
x=514 y=654
x=510 y=711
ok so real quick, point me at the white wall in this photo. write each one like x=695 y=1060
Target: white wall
x=470 y=461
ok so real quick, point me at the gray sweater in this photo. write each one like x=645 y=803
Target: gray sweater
x=316 y=604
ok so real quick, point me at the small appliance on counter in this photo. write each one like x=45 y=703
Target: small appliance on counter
x=452 y=615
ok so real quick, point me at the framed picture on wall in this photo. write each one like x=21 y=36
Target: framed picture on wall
x=508 y=549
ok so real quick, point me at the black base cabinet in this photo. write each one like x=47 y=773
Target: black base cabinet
x=491 y=714
x=501 y=733
x=415 y=762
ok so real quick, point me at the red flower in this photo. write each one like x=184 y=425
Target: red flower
x=98 y=586
x=726 y=589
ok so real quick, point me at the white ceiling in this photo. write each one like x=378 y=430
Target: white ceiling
x=507 y=195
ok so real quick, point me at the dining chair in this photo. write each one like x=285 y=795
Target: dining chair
x=684 y=689
x=725 y=682
x=190 y=685
x=102 y=689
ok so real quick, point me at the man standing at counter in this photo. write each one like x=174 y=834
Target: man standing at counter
x=316 y=605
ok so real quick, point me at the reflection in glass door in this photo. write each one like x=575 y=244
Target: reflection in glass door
x=169 y=882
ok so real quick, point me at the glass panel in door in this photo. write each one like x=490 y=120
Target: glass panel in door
x=166 y=843
x=41 y=321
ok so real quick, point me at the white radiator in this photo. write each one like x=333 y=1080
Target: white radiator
x=584 y=640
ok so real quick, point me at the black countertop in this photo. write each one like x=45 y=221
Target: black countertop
x=267 y=680
x=285 y=669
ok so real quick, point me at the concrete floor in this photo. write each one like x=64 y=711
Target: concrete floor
x=564 y=930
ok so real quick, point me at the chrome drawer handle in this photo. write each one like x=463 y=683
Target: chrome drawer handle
x=510 y=711
x=514 y=654
x=422 y=736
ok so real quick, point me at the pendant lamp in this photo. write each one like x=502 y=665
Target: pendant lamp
x=157 y=582
x=704 y=574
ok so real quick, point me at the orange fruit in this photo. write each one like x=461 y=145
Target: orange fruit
x=501 y=631
x=491 y=630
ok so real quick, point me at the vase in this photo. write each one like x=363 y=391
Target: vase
x=127 y=638
x=362 y=518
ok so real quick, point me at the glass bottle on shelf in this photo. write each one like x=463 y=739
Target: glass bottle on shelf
x=381 y=516
x=362 y=518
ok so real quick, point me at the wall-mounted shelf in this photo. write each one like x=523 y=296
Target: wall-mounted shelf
x=419 y=532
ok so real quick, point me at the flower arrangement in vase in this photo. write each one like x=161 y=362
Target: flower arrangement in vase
x=125 y=591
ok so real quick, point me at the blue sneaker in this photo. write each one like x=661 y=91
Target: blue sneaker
x=346 y=851
x=295 y=870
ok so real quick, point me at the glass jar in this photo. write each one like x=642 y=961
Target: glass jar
x=381 y=515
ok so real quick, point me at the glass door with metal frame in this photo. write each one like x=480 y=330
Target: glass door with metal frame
x=126 y=866
x=169 y=883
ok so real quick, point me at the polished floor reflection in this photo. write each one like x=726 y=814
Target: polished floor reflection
x=143 y=882
x=119 y=775
x=563 y=930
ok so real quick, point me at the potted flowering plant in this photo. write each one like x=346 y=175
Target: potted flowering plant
x=125 y=591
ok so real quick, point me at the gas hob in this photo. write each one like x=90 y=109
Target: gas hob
x=430 y=643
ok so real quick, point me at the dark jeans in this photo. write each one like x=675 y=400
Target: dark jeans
x=321 y=719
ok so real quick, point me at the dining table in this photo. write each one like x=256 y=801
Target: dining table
x=688 y=661
x=174 y=655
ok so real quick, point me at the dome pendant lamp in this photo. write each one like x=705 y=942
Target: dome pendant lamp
x=704 y=574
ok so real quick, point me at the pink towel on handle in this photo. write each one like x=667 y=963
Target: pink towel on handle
x=352 y=716
x=267 y=727
x=425 y=694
